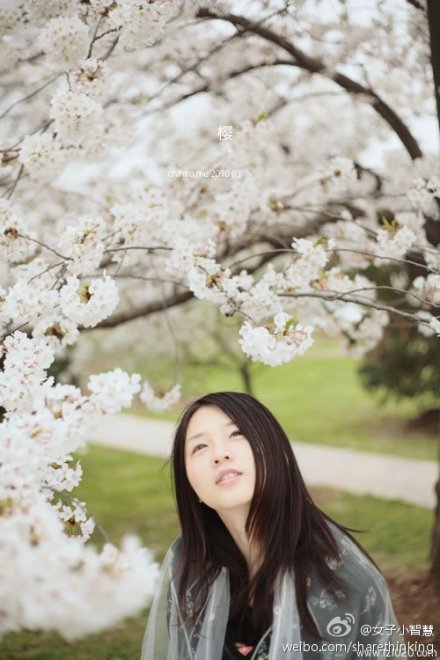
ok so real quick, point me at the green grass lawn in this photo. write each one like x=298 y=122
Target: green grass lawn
x=131 y=493
x=318 y=398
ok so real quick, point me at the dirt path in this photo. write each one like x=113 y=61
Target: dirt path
x=388 y=477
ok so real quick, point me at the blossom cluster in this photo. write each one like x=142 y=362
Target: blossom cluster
x=45 y=422
x=160 y=401
x=277 y=342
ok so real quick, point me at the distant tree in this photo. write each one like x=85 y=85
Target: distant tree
x=405 y=364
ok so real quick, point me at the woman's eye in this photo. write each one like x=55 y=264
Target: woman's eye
x=198 y=447
x=235 y=433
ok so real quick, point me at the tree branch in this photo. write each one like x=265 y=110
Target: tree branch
x=10 y=191
x=434 y=38
x=30 y=95
x=417 y=5
x=150 y=308
x=315 y=65
x=160 y=305
x=345 y=297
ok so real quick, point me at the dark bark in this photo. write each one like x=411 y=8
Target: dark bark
x=246 y=377
x=417 y=4
x=147 y=310
x=435 y=542
x=434 y=35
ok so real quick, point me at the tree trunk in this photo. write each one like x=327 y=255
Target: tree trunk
x=433 y=7
x=435 y=542
x=246 y=378
x=434 y=37
x=435 y=534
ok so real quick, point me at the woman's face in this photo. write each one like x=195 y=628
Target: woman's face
x=219 y=461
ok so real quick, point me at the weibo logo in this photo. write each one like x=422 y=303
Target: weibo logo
x=340 y=626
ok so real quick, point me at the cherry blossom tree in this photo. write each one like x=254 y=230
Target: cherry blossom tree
x=262 y=156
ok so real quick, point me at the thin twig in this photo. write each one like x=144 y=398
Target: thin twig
x=111 y=49
x=104 y=34
x=43 y=272
x=11 y=332
x=10 y=191
x=138 y=247
x=34 y=240
x=94 y=38
x=384 y=287
x=362 y=252
x=169 y=326
x=143 y=278
x=119 y=265
x=29 y=96
x=345 y=297
x=379 y=256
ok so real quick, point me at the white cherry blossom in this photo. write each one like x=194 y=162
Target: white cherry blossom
x=76 y=117
x=27 y=303
x=435 y=325
x=114 y=390
x=277 y=342
x=41 y=156
x=65 y=40
x=83 y=245
x=13 y=245
x=91 y=78
x=87 y=303
x=158 y=400
x=58 y=332
x=395 y=243
x=428 y=288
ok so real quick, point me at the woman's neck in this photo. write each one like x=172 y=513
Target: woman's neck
x=236 y=526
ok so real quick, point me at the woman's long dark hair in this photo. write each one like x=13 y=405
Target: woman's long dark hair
x=284 y=522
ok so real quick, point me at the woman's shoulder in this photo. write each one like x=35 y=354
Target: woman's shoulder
x=174 y=552
x=352 y=563
x=364 y=591
x=176 y=545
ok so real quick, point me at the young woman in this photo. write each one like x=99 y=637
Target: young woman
x=259 y=571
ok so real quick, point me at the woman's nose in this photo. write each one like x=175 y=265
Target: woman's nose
x=221 y=454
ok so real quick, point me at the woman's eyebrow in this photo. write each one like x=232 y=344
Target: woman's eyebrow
x=202 y=433
x=195 y=437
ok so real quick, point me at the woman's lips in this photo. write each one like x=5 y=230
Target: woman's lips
x=227 y=476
